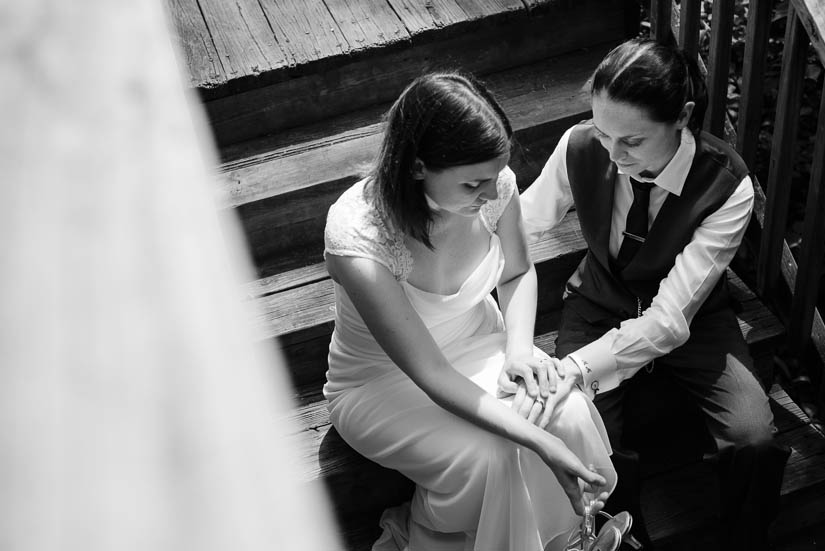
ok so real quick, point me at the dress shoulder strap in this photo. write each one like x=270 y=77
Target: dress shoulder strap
x=492 y=210
x=355 y=227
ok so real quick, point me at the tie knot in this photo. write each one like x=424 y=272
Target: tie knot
x=644 y=187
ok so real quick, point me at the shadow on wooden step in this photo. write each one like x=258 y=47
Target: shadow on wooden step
x=367 y=488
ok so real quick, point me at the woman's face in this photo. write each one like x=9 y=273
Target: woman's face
x=463 y=189
x=636 y=143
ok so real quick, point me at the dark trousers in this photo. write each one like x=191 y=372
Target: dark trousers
x=715 y=369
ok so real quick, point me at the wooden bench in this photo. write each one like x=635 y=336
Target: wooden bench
x=282 y=187
x=676 y=507
x=265 y=67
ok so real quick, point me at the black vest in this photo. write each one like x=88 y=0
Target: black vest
x=715 y=173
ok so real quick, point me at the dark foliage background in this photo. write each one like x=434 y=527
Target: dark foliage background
x=812 y=88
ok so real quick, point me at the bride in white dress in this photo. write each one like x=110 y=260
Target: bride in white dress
x=427 y=375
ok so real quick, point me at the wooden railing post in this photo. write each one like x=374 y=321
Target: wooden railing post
x=753 y=73
x=689 y=27
x=660 y=11
x=781 y=164
x=719 y=65
x=813 y=246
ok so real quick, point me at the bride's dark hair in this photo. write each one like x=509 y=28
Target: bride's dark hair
x=444 y=120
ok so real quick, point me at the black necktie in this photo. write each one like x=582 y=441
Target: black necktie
x=636 y=226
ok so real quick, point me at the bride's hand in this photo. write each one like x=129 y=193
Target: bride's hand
x=568 y=470
x=526 y=406
x=536 y=374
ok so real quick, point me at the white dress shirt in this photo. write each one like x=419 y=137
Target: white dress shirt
x=665 y=325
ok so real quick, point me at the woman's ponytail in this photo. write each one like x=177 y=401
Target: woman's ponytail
x=697 y=92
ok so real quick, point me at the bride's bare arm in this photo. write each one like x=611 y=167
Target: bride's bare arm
x=399 y=330
x=517 y=296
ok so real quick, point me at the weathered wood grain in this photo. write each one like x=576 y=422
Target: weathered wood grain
x=531 y=96
x=538 y=3
x=296 y=309
x=300 y=166
x=812 y=15
x=203 y=64
x=242 y=37
x=282 y=198
x=367 y=23
x=305 y=306
x=304 y=29
x=286 y=280
x=476 y=9
x=419 y=16
x=304 y=315
x=378 y=75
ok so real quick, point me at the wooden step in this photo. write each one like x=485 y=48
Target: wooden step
x=678 y=504
x=262 y=67
x=760 y=328
x=282 y=187
x=298 y=307
x=301 y=311
x=328 y=460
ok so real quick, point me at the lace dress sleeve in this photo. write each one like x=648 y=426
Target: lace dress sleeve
x=491 y=211
x=355 y=228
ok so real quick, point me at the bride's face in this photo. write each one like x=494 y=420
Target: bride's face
x=463 y=189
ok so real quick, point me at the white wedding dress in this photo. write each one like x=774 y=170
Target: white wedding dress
x=474 y=490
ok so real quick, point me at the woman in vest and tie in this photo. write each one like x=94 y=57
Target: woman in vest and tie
x=663 y=208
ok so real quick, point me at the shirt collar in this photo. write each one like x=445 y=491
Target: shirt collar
x=673 y=176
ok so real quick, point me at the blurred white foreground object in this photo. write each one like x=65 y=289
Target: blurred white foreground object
x=134 y=412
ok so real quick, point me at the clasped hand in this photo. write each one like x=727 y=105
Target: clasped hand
x=538 y=386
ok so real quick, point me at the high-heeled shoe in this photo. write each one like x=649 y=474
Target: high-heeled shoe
x=614 y=532
x=622 y=522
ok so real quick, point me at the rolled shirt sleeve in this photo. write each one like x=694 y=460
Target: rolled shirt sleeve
x=549 y=197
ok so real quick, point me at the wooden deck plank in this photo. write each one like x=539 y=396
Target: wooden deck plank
x=286 y=280
x=296 y=309
x=537 y=3
x=304 y=316
x=377 y=75
x=476 y=9
x=242 y=37
x=676 y=506
x=806 y=465
x=195 y=43
x=424 y=16
x=563 y=240
x=303 y=307
x=305 y=30
x=300 y=166
x=531 y=96
x=367 y=23
x=678 y=509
